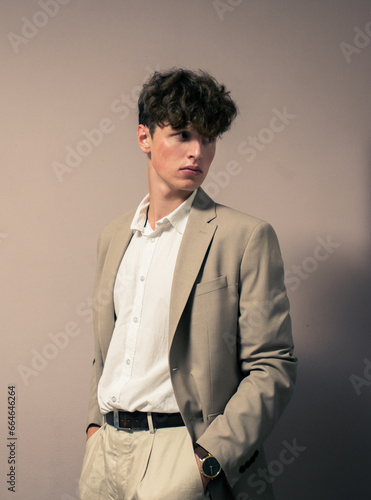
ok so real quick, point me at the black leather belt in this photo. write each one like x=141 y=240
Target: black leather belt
x=139 y=420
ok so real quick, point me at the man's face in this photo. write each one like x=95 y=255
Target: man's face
x=179 y=160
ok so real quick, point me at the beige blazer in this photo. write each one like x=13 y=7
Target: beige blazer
x=230 y=345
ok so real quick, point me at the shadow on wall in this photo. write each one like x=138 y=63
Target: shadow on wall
x=328 y=418
x=329 y=415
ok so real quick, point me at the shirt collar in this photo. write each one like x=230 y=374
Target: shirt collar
x=178 y=218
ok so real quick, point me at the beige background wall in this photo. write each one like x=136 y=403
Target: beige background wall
x=74 y=66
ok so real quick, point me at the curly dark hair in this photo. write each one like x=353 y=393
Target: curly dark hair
x=181 y=98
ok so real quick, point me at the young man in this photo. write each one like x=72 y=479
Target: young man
x=193 y=349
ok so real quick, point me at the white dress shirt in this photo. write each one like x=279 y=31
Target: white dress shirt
x=136 y=373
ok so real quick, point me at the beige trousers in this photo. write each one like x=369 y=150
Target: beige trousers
x=138 y=465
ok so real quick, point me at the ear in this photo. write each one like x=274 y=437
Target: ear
x=144 y=138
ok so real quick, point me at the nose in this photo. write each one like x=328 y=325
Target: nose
x=195 y=149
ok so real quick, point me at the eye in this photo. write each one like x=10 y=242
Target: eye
x=208 y=140
x=183 y=135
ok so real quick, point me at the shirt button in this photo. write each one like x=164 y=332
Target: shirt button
x=113 y=399
x=135 y=320
x=142 y=278
x=128 y=361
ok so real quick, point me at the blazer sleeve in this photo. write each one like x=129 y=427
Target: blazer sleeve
x=266 y=361
x=94 y=414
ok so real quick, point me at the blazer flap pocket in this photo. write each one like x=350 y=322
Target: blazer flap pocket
x=209 y=286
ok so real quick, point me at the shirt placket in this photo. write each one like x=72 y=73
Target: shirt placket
x=148 y=249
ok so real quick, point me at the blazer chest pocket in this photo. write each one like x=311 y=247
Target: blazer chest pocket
x=211 y=285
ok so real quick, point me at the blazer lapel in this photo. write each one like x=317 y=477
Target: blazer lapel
x=115 y=253
x=195 y=242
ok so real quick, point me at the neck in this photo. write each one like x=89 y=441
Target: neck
x=164 y=198
x=162 y=204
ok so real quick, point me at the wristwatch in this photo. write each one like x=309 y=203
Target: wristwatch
x=210 y=467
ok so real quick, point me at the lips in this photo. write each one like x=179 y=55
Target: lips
x=192 y=169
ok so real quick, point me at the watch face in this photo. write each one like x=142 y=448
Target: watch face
x=211 y=467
